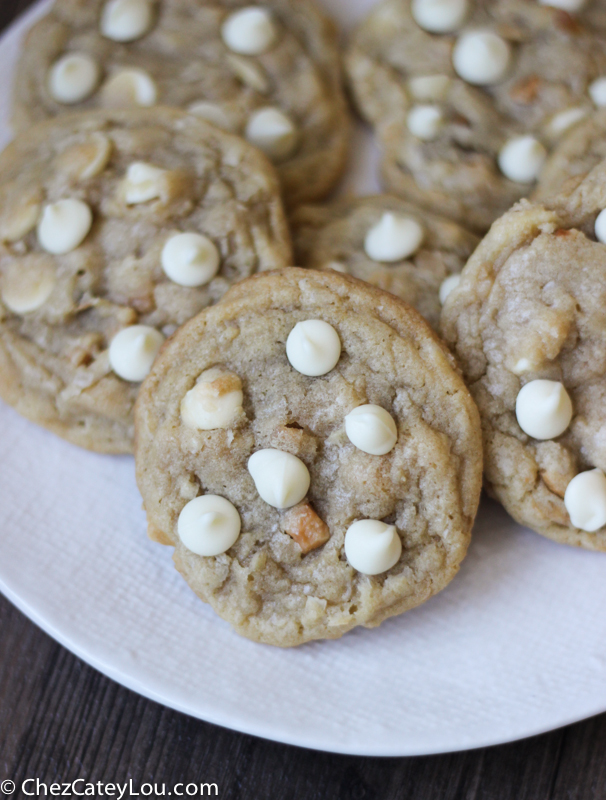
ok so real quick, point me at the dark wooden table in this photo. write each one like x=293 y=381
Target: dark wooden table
x=61 y=721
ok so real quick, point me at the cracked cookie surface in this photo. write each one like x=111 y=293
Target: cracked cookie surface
x=530 y=307
x=442 y=135
x=270 y=585
x=181 y=59
x=333 y=237
x=580 y=151
x=60 y=311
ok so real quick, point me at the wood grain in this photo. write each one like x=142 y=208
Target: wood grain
x=61 y=720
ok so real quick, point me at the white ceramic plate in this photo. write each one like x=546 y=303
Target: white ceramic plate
x=515 y=646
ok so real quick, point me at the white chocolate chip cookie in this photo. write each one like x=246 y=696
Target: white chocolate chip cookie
x=116 y=228
x=468 y=96
x=356 y=486
x=269 y=72
x=387 y=242
x=527 y=324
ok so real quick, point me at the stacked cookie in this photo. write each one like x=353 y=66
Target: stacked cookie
x=310 y=451
x=528 y=326
x=468 y=96
x=116 y=228
x=269 y=72
x=303 y=437
x=389 y=243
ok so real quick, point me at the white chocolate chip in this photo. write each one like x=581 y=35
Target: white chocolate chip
x=393 y=238
x=143 y=183
x=24 y=299
x=439 y=16
x=273 y=132
x=213 y=113
x=559 y=124
x=544 y=409
x=585 y=500
x=133 y=351
x=447 y=286
x=28 y=284
x=209 y=525
x=64 y=226
x=190 y=259
x=600 y=227
x=372 y=547
x=249 y=73
x=87 y=159
x=282 y=479
x=481 y=57
x=429 y=87
x=313 y=347
x=521 y=159
x=129 y=88
x=597 y=92
x=20 y=214
x=425 y=122
x=565 y=5
x=250 y=31
x=371 y=429
x=214 y=402
x=126 y=20
x=337 y=266
x=73 y=78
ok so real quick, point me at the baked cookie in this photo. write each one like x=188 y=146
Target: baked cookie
x=467 y=96
x=582 y=149
x=115 y=228
x=528 y=325
x=310 y=452
x=269 y=72
x=387 y=242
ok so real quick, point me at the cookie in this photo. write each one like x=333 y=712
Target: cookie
x=115 y=228
x=582 y=149
x=528 y=326
x=311 y=453
x=467 y=96
x=387 y=242
x=269 y=72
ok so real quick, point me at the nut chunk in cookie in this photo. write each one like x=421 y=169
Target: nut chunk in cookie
x=528 y=326
x=116 y=228
x=339 y=482
x=468 y=96
x=269 y=72
x=387 y=242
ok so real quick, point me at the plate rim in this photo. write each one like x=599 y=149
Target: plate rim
x=260 y=731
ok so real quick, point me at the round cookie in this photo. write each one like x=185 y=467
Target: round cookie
x=96 y=211
x=386 y=242
x=582 y=149
x=239 y=366
x=467 y=96
x=527 y=324
x=269 y=72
